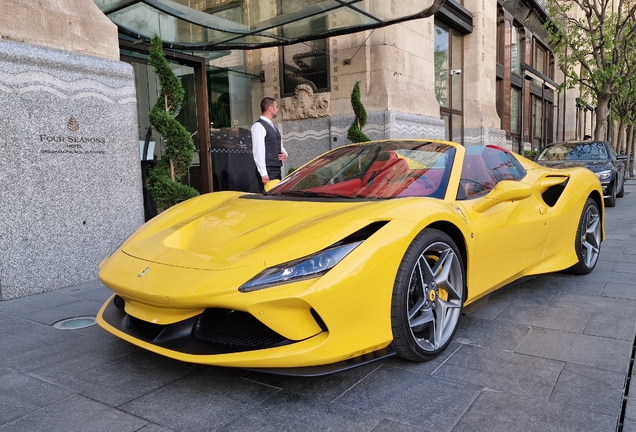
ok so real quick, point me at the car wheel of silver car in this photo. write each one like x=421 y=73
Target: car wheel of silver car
x=588 y=239
x=428 y=296
x=611 y=201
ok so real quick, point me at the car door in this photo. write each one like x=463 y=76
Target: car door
x=508 y=237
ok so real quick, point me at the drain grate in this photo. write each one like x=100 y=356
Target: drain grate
x=628 y=379
x=75 y=323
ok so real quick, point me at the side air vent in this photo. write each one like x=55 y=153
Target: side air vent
x=552 y=194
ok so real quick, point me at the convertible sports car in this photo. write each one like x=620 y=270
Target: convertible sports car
x=369 y=250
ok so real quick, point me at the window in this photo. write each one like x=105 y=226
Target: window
x=515 y=98
x=448 y=59
x=539 y=61
x=483 y=168
x=305 y=63
x=515 y=51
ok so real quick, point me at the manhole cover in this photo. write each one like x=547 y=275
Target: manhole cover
x=75 y=323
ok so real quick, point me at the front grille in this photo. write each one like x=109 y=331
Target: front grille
x=235 y=328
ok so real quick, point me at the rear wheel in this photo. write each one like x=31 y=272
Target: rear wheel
x=427 y=296
x=588 y=239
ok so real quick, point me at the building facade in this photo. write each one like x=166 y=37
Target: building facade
x=476 y=72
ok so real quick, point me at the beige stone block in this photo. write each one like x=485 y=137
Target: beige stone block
x=68 y=25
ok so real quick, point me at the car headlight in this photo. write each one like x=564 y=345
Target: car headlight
x=604 y=175
x=304 y=268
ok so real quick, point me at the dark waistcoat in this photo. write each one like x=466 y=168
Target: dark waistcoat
x=272 y=144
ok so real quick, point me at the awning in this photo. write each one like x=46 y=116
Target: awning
x=208 y=25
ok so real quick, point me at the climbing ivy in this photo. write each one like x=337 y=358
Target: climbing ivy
x=164 y=179
x=355 y=133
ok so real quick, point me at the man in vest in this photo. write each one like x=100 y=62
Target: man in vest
x=267 y=145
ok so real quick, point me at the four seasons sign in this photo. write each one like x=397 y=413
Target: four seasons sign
x=72 y=143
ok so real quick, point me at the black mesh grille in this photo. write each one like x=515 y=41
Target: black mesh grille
x=229 y=327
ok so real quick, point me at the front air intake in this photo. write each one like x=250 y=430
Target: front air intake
x=235 y=328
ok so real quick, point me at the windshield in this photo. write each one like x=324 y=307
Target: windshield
x=575 y=151
x=374 y=170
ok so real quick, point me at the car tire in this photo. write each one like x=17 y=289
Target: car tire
x=588 y=239
x=428 y=296
x=621 y=193
x=611 y=201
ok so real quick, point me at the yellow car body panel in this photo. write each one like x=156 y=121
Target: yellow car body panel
x=196 y=255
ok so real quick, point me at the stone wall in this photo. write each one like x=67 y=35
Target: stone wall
x=69 y=172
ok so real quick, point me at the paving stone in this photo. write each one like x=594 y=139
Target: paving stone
x=617 y=256
x=490 y=333
x=22 y=394
x=629 y=426
x=590 y=389
x=411 y=398
x=70 y=357
x=287 y=411
x=556 y=283
x=155 y=428
x=609 y=277
x=503 y=412
x=617 y=307
x=630 y=407
x=504 y=371
x=391 y=426
x=73 y=309
x=608 y=354
x=617 y=290
x=610 y=326
x=76 y=413
x=127 y=377
x=26 y=305
x=19 y=335
x=625 y=268
x=325 y=388
x=494 y=305
x=425 y=367
x=203 y=400
x=545 y=316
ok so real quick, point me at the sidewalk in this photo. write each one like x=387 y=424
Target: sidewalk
x=550 y=354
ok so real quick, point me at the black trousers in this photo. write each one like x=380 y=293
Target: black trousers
x=273 y=172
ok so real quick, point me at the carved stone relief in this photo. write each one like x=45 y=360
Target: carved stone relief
x=305 y=104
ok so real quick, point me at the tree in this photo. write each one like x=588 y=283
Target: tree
x=600 y=37
x=355 y=133
x=164 y=179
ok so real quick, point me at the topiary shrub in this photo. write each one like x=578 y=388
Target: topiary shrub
x=164 y=179
x=355 y=133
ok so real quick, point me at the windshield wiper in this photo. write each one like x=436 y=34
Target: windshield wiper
x=305 y=193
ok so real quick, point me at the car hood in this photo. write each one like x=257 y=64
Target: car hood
x=246 y=231
x=594 y=165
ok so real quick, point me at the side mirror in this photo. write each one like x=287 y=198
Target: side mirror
x=270 y=184
x=505 y=191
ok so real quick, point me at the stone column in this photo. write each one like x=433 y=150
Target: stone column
x=70 y=171
x=482 y=124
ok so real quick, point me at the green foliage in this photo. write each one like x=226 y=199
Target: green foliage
x=355 y=133
x=530 y=154
x=163 y=180
x=595 y=45
x=291 y=170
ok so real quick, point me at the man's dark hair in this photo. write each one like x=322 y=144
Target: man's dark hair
x=266 y=103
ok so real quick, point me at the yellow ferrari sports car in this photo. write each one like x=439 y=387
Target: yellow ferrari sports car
x=367 y=251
